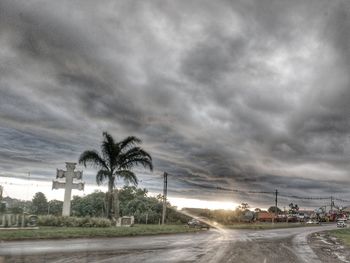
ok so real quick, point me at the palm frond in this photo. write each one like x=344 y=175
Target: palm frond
x=128 y=176
x=92 y=158
x=135 y=156
x=132 y=162
x=129 y=142
x=135 y=152
x=101 y=176
x=109 y=149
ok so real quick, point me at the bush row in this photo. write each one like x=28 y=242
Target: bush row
x=50 y=220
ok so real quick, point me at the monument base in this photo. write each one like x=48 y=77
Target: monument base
x=126 y=221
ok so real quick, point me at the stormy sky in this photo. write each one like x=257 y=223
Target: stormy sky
x=249 y=95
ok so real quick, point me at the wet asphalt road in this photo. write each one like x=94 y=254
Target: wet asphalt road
x=277 y=245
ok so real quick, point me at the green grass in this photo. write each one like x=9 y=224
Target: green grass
x=342 y=234
x=262 y=226
x=91 y=232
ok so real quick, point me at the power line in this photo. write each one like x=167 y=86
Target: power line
x=305 y=197
x=342 y=200
x=206 y=186
x=242 y=191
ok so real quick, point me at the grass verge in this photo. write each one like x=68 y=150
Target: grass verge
x=262 y=226
x=342 y=234
x=91 y=232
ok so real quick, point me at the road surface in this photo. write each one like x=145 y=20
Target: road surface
x=277 y=245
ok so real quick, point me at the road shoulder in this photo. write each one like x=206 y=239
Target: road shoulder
x=328 y=248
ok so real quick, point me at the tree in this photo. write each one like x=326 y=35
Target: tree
x=116 y=160
x=272 y=209
x=294 y=208
x=128 y=193
x=244 y=206
x=16 y=210
x=55 y=207
x=2 y=207
x=92 y=205
x=39 y=204
x=134 y=201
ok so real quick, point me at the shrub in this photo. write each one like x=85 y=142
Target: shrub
x=61 y=221
x=100 y=222
x=49 y=221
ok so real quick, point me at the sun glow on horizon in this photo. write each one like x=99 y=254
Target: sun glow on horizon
x=197 y=203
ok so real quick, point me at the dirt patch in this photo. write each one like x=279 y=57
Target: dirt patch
x=328 y=248
x=264 y=251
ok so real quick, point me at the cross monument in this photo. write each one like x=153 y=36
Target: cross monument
x=71 y=180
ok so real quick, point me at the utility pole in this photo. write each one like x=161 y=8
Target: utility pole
x=1 y=205
x=332 y=203
x=276 y=194
x=165 y=192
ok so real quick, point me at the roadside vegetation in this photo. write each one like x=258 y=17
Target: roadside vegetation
x=133 y=201
x=64 y=221
x=92 y=232
x=342 y=234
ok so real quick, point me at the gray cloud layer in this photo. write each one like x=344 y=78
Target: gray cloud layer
x=241 y=94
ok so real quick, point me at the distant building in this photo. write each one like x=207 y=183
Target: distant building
x=265 y=216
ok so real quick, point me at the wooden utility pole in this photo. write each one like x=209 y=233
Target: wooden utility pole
x=276 y=194
x=165 y=192
x=276 y=212
x=1 y=190
x=332 y=203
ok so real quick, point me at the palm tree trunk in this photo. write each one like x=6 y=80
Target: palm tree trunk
x=110 y=206
x=116 y=204
x=107 y=208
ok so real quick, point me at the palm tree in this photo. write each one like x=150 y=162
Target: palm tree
x=116 y=161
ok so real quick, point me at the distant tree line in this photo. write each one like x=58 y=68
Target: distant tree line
x=133 y=202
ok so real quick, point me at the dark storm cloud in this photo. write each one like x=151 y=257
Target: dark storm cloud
x=241 y=94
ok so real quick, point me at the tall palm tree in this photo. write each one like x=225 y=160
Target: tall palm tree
x=116 y=161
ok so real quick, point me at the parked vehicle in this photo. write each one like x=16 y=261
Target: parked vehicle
x=301 y=217
x=312 y=222
x=341 y=223
x=199 y=222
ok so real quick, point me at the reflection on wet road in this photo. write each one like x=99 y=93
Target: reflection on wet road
x=217 y=245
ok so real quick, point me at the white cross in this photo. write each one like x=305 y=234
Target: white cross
x=68 y=184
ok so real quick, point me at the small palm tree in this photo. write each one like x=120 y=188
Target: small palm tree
x=116 y=161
